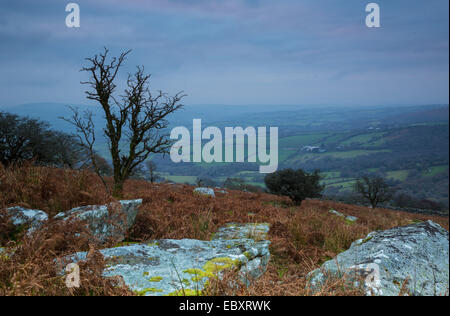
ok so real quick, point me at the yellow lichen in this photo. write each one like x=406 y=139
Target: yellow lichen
x=125 y=243
x=147 y=290
x=156 y=279
x=216 y=265
x=212 y=268
x=199 y=273
x=185 y=292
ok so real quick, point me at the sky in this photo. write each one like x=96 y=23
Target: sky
x=272 y=52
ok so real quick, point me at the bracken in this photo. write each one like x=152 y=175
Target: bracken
x=301 y=237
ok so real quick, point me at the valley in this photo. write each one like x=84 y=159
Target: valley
x=408 y=145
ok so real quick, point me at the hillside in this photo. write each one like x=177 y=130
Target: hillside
x=302 y=238
x=408 y=145
x=409 y=149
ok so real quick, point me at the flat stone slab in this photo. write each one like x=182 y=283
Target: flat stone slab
x=183 y=267
x=384 y=260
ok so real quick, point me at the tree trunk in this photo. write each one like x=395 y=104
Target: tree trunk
x=118 y=188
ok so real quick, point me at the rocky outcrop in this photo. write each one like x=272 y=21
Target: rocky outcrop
x=415 y=257
x=184 y=267
x=29 y=218
x=205 y=192
x=106 y=221
x=258 y=254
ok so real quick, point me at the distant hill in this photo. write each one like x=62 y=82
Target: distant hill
x=440 y=114
x=291 y=118
x=51 y=113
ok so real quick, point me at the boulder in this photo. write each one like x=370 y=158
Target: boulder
x=3 y=254
x=415 y=255
x=258 y=255
x=336 y=213
x=32 y=219
x=106 y=221
x=184 y=267
x=351 y=218
x=348 y=218
x=205 y=192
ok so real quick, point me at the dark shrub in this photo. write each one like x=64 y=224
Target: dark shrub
x=296 y=184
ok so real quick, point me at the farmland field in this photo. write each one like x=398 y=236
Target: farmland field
x=411 y=155
x=435 y=170
x=399 y=175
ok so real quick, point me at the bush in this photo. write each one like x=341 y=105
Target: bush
x=295 y=184
x=23 y=138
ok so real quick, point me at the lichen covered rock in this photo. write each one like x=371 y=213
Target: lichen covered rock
x=29 y=218
x=416 y=256
x=336 y=213
x=184 y=267
x=205 y=192
x=348 y=218
x=106 y=221
x=242 y=231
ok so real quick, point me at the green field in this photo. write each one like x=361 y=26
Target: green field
x=296 y=142
x=345 y=185
x=331 y=174
x=291 y=145
x=369 y=139
x=435 y=170
x=333 y=138
x=399 y=175
x=290 y=148
x=305 y=157
x=178 y=179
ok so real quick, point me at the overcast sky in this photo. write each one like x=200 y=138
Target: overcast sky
x=312 y=52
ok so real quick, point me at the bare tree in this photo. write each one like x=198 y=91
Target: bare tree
x=86 y=134
x=374 y=189
x=151 y=168
x=134 y=119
